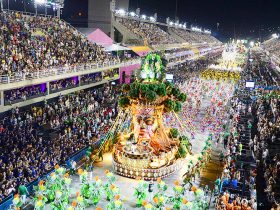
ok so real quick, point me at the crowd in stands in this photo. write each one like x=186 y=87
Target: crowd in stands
x=110 y=73
x=151 y=33
x=195 y=37
x=238 y=180
x=24 y=93
x=273 y=46
x=91 y=78
x=265 y=142
x=176 y=50
x=78 y=119
x=31 y=43
x=229 y=201
x=263 y=145
x=266 y=145
x=184 y=71
x=58 y=85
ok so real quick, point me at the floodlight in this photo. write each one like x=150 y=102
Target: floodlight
x=132 y=14
x=275 y=36
x=144 y=17
x=40 y=1
x=121 y=12
x=152 y=19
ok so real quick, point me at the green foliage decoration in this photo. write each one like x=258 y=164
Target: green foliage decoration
x=178 y=106
x=175 y=92
x=182 y=97
x=125 y=87
x=151 y=96
x=153 y=87
x=174 y=133
x=124 y=102
x=169 y=105
x=144 y=88
x=134 y=91
x=161 y=90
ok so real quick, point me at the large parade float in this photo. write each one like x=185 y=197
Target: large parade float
x=233 y=58
x=144 y=144
x=229 y=66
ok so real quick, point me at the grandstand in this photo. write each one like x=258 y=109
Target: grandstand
x=35 y=43
x=195 y=37
x=42 y=50
x=273 y=46
x=155 y=33
x=149 y=32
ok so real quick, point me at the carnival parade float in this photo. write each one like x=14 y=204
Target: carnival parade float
x=144 y=145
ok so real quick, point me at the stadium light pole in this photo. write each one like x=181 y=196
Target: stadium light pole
x=35 y=5
x=59 y=4
x=39 y=2
x=1 y=2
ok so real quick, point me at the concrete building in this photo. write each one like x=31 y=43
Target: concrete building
x=99 y=13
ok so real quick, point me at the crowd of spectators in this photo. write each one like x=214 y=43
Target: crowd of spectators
x=149 y=32
x=263 y=145
x=266 y=145
x=273 y=46
x=237 y=184
x=77 y=120
x=190 y=68
x=195 y=37
x=184 y=71
x=24 y=93
x=32 y=43
x=229 y=201
x=265 y=142
x=110 y=73
x=62 y=84
x=91 y=78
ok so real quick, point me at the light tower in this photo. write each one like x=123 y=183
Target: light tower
x=57 y=5
x=100 y=13
x=1 y=4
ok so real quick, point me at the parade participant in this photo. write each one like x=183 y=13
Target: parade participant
x=23 y=192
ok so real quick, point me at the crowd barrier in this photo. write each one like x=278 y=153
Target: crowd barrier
x=7 y=203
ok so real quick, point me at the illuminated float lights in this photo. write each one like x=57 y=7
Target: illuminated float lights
x=148 y=148
x=146 y=174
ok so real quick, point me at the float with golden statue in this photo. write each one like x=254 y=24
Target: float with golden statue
x=143 y=145
x=147 y=148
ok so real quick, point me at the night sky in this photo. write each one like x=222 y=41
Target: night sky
x=249 y=19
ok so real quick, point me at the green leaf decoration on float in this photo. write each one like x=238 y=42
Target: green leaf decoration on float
x=151 y=87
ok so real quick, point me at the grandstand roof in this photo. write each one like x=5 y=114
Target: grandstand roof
x=140 y=50
x=97 y=36
x=115 y=47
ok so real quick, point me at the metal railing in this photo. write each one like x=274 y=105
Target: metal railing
x=5 y=79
